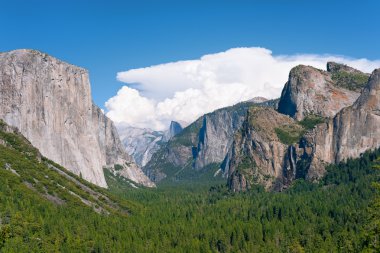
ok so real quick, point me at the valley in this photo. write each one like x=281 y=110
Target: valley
x=187 y=218
x=189 y=126
x=295 y=174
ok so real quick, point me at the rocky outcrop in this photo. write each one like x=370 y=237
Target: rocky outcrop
x=334 y=67
x=313 y=91
x=174 y=155
x=141 y=143
x=203 y=143
x=258 y=100
x=50 y=102
x=320 y=140
x=258 y=155
x=174 y=129
x=350 y=133
x=216 y=135
x=347 y=77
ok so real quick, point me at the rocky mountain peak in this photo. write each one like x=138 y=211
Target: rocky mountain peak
x=313 y=91
x=333 y=122
x=370 y=97
x=258 y=154
x=258 y=100
x=350 y=133
x=174 y=129
x=333 y=67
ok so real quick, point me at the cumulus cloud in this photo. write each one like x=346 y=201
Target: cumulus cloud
x=185 y=90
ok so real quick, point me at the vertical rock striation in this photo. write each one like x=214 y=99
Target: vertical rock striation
x=204 y=142
x=215 y=135
x=258 y=155
x=50 y=102
x=332 y=122
x=354 y=130
x=141 y=143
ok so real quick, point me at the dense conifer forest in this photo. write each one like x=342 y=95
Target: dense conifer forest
x=37 y=214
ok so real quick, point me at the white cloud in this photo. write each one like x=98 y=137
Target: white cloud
x=185 y=90
x=129 y=107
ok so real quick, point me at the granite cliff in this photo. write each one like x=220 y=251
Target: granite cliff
x=313 y=91
x=258 y=153
x=50 y=102
x=330 y=116
x=202 y=144
x=351 y=132
x=142 y=143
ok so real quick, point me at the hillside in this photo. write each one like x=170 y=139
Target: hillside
x=198 y=151
x=45 y=208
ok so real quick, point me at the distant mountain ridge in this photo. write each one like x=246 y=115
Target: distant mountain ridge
x=142 y=143
x=202 y=144
x=322 y=117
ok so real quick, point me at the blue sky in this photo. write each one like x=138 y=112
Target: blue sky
x=111 y=36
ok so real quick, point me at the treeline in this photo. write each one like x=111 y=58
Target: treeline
x=339 y=214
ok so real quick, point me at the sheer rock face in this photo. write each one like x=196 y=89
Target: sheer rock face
x=215 y=136
x=257 y=155
x=50 y=102
x=256 y=159
x=204 y=142
x=353 y=130
x=141 y=143
x=312 y=91
x=218 y=129
x=356 y=128
x=174 y=129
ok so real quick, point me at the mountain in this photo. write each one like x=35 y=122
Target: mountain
x=323 y=117
x=174 y=129
x=313 y=91
x=354 y=130
x=28 y=170
x=258 y=100
x=142 y=143
x=50 y=102
x=200 y=146
x=258 y=154
x=45 y=208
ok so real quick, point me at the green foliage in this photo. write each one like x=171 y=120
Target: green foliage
x=118 y=167
x=246 y=163
x=351 y=81
x=289 y=134
x=311 y=121
x=331 y=216
x=188 y=136
x=188 y=176
x=372 y=240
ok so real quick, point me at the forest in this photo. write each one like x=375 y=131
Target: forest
x=337 y=214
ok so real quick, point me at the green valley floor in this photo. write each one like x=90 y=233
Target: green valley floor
x=40 y=211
